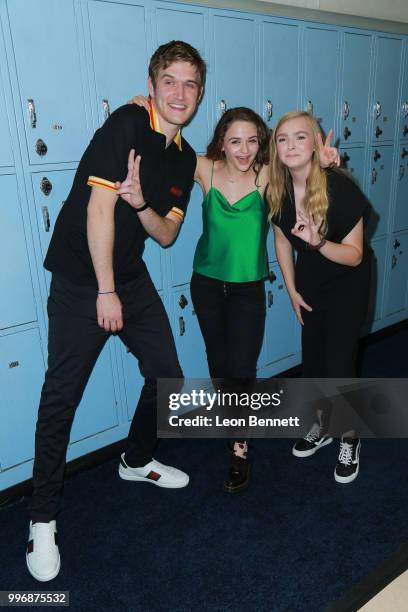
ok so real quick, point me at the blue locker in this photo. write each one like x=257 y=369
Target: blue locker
x=355 y=87
x=21 y=376
x=187 y=334
x=182 y=253
x=384 y=103
x=188 y=23
x=6 y=150
x=233 y=64
x=354 y=162
x=53 y=105
x=133 y=379
x=320 y=75
x=280 y=70
x=281 y=325
x=17 y=303
x=377 y=280
x=380 y=174
x=401 y=204
x=50 y=190
x=398 y=279
x=117 y=35
x=403 y=103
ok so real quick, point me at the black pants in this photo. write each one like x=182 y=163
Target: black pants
x=232 y=321
x=74 y=343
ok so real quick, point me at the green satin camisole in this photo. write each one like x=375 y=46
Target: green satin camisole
x=232 y=246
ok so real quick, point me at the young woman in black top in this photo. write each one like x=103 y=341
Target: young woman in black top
x=320 y=214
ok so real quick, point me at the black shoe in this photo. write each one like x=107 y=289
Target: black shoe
x=311 y=443
x=238 y=474
x=348 y=462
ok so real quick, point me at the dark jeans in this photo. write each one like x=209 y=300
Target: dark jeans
x=232 y=321
x=75 y=341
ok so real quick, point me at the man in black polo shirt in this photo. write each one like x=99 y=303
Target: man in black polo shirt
x=100 y=284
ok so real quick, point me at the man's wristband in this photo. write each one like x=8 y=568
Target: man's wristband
x=318 y=246
x=142 y=208
x=105 y=292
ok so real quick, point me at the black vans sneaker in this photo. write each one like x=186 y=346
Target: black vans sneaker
x=349 y=460
x=311 y=442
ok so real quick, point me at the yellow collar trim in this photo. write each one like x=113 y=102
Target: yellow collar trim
x=155 y=125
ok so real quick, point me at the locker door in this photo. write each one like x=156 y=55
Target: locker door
x=98 y=408
x=354 y=161
x=280 y=70
x=270 y=244
x=355 y=87
x=182 y=253
x=178 y=22
x=234 y=62
x=403 y=107
x=401 y=206
x=119 y=53
x=380 y=170
x=397 y=298
x=46 y=48
x=377 y=280
x=133 y=380
x=384 y=104
x=187 y=334
x=50 y=191
x=6 y=151
x=21 y=378
x=280 y=328
x=321 y=69
x=17 y=304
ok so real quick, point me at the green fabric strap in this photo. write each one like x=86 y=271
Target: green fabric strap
x=233 y=243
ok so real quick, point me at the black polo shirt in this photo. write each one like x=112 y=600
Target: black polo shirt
x=166 y=176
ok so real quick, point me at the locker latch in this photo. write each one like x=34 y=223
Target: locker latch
x=46 y=186
x=40 y=147
x=182 y=326
x=183 y=301
x=377 y=155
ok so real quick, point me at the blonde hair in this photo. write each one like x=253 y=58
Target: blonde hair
x=316 y=201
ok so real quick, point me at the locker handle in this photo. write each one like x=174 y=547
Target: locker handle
x=32 y=113
x=377 y=155
x=404 y=152
x=397 y=244
x=405 y=130
x=270 y=298
x=401 y=171
x=46 y=218
x=223 y=106
x=106 y=108
x=269 y=109
x=45 y=186
x=346 y=133
x=182 y=326
x=405 y=109
x=346 y=109
x=377 y=109
x=309 y=107
x=393 y=261
x=378 y=132
x=374 y=175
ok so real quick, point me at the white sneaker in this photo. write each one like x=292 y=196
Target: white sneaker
x=42 y=556
x=154 y=472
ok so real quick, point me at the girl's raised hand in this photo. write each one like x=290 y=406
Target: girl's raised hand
x=328 y=155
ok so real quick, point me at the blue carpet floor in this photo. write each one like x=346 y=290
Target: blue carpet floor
x=293 y=541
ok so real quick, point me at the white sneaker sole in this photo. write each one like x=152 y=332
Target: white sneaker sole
x=44 y=578
x=346 y=479
x=312 y=451
x=159 y=483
